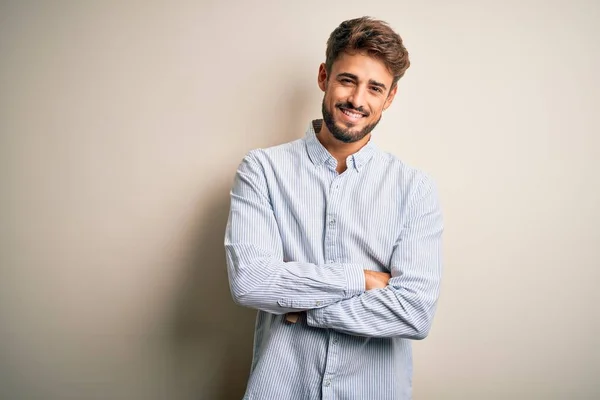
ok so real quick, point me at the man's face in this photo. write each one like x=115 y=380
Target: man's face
x=356 y=92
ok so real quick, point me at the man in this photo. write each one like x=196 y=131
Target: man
x=335 y=242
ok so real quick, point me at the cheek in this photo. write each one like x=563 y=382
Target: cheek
x=339 y=93
x=329 y=96
x=377 y=108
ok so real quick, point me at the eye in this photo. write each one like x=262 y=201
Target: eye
x=377 y=89
x=346 y=80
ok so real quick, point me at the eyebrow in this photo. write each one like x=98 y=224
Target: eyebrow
x=352 y=76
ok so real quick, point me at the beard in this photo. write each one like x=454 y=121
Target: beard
x=346 y=135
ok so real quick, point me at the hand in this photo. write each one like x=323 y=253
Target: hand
x=376 y=280
x=292 y=317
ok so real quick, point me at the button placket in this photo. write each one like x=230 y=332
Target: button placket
x=332 y=221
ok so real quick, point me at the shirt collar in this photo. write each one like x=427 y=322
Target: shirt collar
x=319 y=155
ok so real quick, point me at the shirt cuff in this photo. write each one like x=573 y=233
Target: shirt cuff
x=316 y=317
x=355 y=279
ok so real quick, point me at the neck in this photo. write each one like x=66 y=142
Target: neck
x=338 y=149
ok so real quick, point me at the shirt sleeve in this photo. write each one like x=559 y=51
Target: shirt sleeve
x=405 y=308
x=258 y=276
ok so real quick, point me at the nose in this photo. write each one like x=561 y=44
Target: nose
x=357 y=97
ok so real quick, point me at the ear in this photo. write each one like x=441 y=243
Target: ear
x=322 y=77
x=390 y=98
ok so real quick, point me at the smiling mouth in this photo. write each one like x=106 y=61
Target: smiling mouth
x=352 y=114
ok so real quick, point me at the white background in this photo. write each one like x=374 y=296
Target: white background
x=122 y=124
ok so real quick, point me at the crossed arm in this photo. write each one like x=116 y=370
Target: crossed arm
x=373 y=280
x=344 y=297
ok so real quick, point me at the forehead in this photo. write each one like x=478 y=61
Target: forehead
x=365 y=67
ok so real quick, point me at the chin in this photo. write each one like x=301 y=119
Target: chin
x=352 y=127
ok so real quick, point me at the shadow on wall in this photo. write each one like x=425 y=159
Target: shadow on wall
x=205 y=315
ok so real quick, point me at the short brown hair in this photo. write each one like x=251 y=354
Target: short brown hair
x=371 y=36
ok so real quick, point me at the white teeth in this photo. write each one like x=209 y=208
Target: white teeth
x=351 y=114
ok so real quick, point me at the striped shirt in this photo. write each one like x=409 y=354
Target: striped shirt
x=298 y=238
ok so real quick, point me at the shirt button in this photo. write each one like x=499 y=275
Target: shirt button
x=335 y=341
x=318 y=303
x=327 y=382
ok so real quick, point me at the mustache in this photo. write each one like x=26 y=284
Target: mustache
x=350 y=107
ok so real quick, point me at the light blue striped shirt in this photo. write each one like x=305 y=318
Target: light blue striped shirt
x=298 y=238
